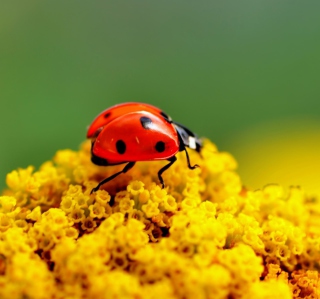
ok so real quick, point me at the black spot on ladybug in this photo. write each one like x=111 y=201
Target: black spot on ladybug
x=146 y=122
x=121 y=147
x=107 y=115
x=166 y=116
x=160 y=146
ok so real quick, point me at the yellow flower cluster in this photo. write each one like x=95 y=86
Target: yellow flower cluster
x=203 y=236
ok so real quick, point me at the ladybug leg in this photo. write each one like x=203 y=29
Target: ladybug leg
x=164 y=168
x=124 y=170
x=188 y=159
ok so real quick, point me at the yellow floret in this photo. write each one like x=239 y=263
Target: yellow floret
x=22 y=180
x=7 y=203
x=135 y=187
x=151 y=208
x=169 y=204
x=35 y=215
x=126 y=205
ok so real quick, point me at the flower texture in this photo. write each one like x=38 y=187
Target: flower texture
x=203 y=236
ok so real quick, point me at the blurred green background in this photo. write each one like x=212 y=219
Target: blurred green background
x=222 y=68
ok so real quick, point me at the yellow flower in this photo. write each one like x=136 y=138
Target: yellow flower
x=126 y=205
x=35 y=215
x=204 y=236
x=88 y=224
x=158 y=195
x=135 y=187
x=5 y=222
x=77 y=215
x=67 y=204
x=189 y=204
x=151 y=208
x=22 y=224
x=120 y=195
x=23 y=180
x=170 y=204
x=144 y=196
x=97 y=210
x=7 y=203
x=102 y=197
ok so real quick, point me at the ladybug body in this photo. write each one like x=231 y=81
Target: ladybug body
x=132 y=132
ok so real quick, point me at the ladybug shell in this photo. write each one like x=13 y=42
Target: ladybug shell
x=116 y=111
x=136 y=136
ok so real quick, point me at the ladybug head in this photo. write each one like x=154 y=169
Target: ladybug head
x=187 y=138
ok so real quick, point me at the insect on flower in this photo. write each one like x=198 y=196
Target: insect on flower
x=131 y=132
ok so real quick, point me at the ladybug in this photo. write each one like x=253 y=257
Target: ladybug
x=131 y=132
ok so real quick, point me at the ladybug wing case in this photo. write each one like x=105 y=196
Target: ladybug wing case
x=116 y=111
x=136 y=136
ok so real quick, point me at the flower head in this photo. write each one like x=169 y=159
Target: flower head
x=203 y=236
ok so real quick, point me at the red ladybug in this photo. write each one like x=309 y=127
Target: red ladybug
x=131 y=132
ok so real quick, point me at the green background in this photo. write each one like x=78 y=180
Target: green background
x=219 y=67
